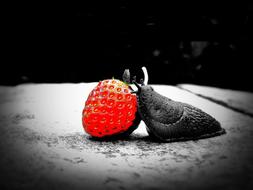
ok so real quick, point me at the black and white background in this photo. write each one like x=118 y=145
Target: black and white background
x=53 y=54
x=203 y=43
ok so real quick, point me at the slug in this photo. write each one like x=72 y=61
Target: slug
x=169 y=120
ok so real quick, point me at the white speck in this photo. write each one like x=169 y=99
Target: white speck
x=24 y=78
x=166 y=62
x=150 y=24
x=214 y=21
x=198 y=67
x=156 y=53
x=232 y=46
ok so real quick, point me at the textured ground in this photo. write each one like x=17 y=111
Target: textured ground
x=236 y=100
x=43 y=145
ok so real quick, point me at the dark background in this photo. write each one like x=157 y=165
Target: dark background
x=206 y=44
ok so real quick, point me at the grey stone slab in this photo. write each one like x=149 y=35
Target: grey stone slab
x=44 y=146
x=237 y=100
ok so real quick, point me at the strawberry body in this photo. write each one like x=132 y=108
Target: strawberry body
x=110 y=110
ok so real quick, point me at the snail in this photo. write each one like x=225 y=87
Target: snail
x=169 y=120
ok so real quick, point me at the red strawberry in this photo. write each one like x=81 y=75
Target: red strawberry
x=110 y=110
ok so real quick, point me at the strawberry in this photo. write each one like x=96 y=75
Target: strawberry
x=110 y=110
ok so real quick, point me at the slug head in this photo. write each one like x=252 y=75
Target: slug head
x=144 y=92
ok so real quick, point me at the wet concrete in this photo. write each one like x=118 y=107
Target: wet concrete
x=44 y=146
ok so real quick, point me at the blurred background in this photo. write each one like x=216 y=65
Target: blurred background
x=205 y=44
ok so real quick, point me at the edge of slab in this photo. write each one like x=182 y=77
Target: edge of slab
x=217 y=101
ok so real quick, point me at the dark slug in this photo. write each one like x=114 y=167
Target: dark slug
x=168 y=120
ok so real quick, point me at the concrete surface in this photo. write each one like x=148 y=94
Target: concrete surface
x=43 y=146
x=237 y=100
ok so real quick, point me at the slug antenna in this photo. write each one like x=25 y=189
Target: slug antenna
x=145 y=72
x=137 y=85
x=126 y=76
